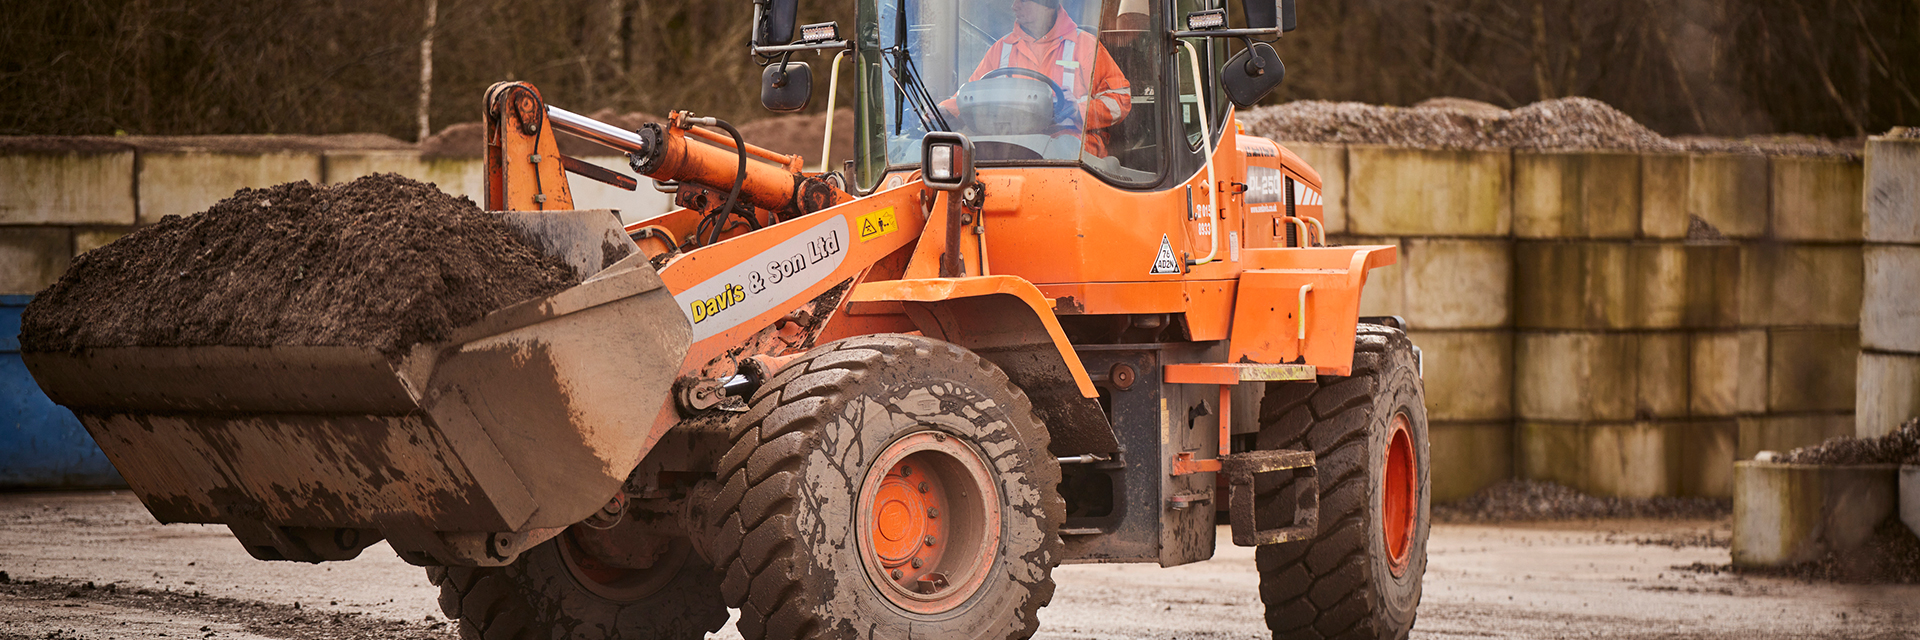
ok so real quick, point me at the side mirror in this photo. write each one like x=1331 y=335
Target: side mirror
x=1251 y=74
x=776 y=24
x=786 y=87
x=1268 y=14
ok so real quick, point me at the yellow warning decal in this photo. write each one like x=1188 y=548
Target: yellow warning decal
x=876 y=224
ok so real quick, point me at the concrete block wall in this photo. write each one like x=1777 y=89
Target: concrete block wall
x=1626 y=324
x=57 y=204
x=1888 y=391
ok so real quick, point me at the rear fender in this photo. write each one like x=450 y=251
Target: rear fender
x=1283 y=288
x=1007 y=321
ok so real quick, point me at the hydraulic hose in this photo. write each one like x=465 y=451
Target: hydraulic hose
x=739 y=178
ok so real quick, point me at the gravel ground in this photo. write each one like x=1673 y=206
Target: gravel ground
x=1531 y=500
x=1453 y=123
x=1577 y=579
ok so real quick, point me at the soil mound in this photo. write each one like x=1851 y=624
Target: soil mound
x=1900 y=447
x=1532 y=500
x=382 y=262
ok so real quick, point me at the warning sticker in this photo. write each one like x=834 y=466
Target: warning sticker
x=1165 y=263
x=876 y=224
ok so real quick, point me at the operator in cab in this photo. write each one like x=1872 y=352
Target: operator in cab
x=1048 y=41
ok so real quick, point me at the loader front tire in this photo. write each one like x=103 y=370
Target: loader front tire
x=1359 y=577
x=888 y=486
x=546 y=594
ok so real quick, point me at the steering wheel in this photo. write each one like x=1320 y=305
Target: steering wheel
x=1063 y=109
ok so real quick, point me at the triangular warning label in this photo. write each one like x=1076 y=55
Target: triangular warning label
x=1165 y=263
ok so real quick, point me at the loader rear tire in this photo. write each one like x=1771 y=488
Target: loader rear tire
x=1360 y=576
x=888 y=486
x=543 y=595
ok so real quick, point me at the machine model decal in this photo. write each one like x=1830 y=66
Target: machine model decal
x=1266 y=184
x=876 y=224
x=1165 y=264
x=755 y=285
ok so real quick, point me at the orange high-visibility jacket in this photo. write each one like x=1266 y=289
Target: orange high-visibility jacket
x=1078 y=62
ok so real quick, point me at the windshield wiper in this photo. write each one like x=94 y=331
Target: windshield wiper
x=906 y=78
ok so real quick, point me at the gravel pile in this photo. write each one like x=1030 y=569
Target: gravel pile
x=1900 y=447
x=1523 y=500
x=382 y=262
x=1565 y=124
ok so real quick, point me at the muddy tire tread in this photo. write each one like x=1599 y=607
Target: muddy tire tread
x=779 y=430
x=1320 y=588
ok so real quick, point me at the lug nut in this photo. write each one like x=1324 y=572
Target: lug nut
x=929 y=541
x=924 y=487
x=933 y=512
x=896 y=574
x=918 y=562
x=906 y=470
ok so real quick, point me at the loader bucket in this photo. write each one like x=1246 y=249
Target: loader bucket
x=528 y=419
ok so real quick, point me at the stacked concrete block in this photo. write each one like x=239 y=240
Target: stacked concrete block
x=1451 y=214
x=185 y=182
x=1888 y=392
x=54 y=202
x=1661 y=336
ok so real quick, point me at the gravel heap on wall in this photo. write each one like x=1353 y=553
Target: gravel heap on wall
x=1455 y=123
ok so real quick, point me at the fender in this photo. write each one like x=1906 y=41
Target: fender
x=1006 y=320
x=1299 y=306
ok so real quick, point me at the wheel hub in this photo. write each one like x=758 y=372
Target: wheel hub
x=929 y=522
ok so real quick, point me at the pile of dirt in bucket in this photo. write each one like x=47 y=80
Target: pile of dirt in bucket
x=382 y=262
x=1533 y=500
x=1564 y=124
x=1900 y=447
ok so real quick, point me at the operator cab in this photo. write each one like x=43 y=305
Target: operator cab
x=946 y=65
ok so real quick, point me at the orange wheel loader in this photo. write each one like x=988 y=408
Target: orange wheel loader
x=1060 y=309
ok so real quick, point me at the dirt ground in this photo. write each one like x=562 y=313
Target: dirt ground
x=1608 y=578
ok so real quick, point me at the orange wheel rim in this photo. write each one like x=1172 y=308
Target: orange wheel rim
x=929 y=522
x=1401 y=485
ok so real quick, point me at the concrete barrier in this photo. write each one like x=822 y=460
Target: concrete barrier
x=31 y=258
x=1890 y=305
x=1618 y=285
x=1786 y=514
x=1576 y=195
x=1793 y=285
x=1584 y=377
x=1888 y=393
x=1892 y=191
x=67 y=188
x=1631 y=459
x=1729 y=373
x=1729 y=192
x=1816 y=199
x=1469 y=374
x=181 y=183
x=1443 y=283
x=1811 y=369
x=1468 y=457
x=1394 y=191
